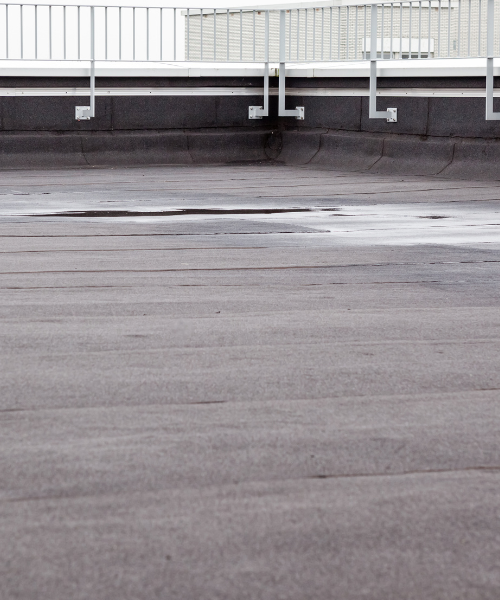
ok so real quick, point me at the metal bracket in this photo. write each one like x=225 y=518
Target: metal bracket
x=391 y=114
x=85 y=113
x=298 y=111
x=82 y=113
x=257 y=112
x=491 y=115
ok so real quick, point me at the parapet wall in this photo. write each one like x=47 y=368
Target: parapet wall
x=441 y=127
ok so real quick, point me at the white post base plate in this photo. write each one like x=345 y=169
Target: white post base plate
x=300 y=113
x=255 y=112
x=82 y=113
x=392 y=115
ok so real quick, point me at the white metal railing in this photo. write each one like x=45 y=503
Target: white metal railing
x=392 y=30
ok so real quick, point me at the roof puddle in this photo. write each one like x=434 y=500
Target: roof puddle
x=180 y=212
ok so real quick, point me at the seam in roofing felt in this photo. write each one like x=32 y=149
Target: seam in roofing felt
x=83 y=151
x=188 y=148
x=427 y=119
x=480 y=468
x=70 y=497
x=451 y=160
x=320 y=144
x=379 y=158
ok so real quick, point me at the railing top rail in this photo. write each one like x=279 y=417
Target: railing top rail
x=68 y=5
x=265 y=8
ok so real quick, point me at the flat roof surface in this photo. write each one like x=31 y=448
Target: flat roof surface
x=253 y=381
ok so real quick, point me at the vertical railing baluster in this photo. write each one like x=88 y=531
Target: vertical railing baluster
x=411 y=31
x=429 y=32
x=449 y=28
x=215 y=35
x=348 y=10
x=120 y=33
x=50 y=32
x=459 y=26
x=21 y=26
x=201 y=34
x=6 y=31
x=419 y=29
x=382 y=32
x=64 y=28
x=36 y=32
x=305 y=33
x=298 y=33
x=439 y=28
x=227 y=30
x=479 y=30
x=253 y=35
x=314 y=34
x=289 y=12
x=338 y=34
x=187 y=33
x=365 y=51
x=161 y=34
x=392 y=30
x=175 y=34
x=331 y=32
x=79 y=34
x=468 y=28
x=322 y=31
x=356 y=34
x=401 y=30
x=241 y=35
x=105 y=33
x=133 y=34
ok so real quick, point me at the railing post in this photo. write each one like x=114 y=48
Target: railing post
x=490 y=50
x=266 y=67
x=298 y=111
x=85 y=113
x=92 y=62
x=257 y=112
x=391 y=114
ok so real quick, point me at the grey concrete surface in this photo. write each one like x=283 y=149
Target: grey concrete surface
x=248 y=404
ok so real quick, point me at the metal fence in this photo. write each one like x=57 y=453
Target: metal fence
x=405 y=29
x=115 y=33
x=417 y=29
x=394 y=30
